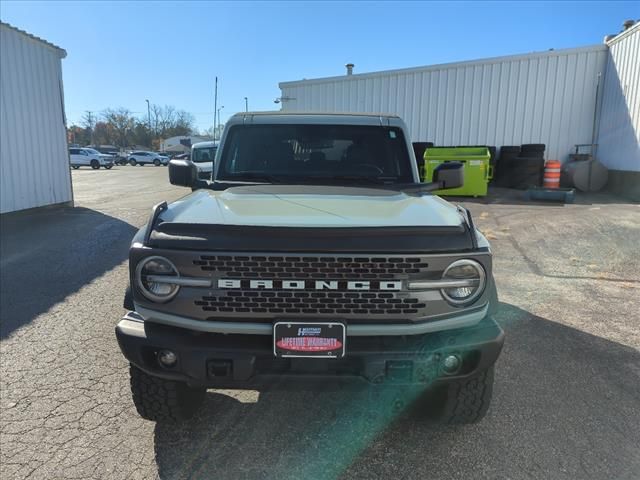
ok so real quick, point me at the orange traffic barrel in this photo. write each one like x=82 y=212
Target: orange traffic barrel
x=552 y=174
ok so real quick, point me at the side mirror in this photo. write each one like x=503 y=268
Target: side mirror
x=449 y=175
x=183 y=173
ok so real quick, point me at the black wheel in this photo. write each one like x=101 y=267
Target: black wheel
x=162 y=400
x=108 y=167
x=156 y=162
x=95 y=164
x=132 y=162
x=464 y=401
x=75 y=167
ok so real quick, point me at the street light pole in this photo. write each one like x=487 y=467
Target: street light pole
x=148 y=114
x=246 y=104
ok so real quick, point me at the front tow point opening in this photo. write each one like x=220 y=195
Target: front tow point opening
x=220 y=368
x=399 y=370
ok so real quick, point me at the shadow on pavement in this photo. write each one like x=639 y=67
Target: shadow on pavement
x=46 y=255
x=510 y=196
x=566 y=405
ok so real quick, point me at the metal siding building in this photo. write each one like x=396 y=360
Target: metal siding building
x=619 y=129
x=547 y=97
x=34 y=161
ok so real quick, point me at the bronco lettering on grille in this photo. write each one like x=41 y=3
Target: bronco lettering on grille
x=310 y=284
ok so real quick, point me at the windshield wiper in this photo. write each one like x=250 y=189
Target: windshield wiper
x=251 y=177
x=359 y=179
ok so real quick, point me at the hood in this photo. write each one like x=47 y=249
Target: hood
x=311 y=206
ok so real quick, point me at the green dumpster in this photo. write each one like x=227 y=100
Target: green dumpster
x=477 y=171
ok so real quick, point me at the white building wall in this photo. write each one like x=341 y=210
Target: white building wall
x=546 y=97
x=34 y=161
x=619 y=129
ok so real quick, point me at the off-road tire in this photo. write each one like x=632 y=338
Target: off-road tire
x=95 y=164
x=467 y=400
x=162 y=400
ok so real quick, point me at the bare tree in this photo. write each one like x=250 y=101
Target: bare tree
x=122 y=123
x=88 y=121
x=156 y=114
x=185 y=121
x=167 y=119
x=169 y=122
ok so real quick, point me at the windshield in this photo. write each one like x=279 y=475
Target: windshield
x=203 y=154
x=91 y=150
x=324 y=153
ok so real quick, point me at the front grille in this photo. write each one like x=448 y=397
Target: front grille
x=311 y=303
x=352 y=268
x=263 y=302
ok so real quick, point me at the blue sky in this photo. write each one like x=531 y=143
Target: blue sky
x=121 y=53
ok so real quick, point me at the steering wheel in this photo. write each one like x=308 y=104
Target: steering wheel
x=373 y=169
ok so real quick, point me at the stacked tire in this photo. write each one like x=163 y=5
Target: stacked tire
x=530 y=168
x=520 y=166
x=532 y=150
x=505 y=164
x=526 y=172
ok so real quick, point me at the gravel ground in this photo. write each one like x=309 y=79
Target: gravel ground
x=566 y=401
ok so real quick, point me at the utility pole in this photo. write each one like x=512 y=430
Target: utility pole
x=90 y=120
x=246 y=104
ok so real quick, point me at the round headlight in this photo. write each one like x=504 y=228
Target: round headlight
x=469 y=277
x=153 y=278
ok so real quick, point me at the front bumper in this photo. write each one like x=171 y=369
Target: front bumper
x=218 y=360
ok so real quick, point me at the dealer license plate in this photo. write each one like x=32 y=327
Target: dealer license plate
x=309 y=340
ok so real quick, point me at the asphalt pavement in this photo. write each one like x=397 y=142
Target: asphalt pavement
x=566 y=400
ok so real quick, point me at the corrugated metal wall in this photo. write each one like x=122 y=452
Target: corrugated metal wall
x=34 y=163
x=544 y=97
x=619 y=129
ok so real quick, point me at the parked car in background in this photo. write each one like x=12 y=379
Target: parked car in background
x=88 y=157
x=169 y=155
x=118 y=158
x=203 y=154
x=141 y=158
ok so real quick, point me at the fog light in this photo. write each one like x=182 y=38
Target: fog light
x=167 y=358
x=451 y=364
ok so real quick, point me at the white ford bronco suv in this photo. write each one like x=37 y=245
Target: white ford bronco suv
x=313 y=253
